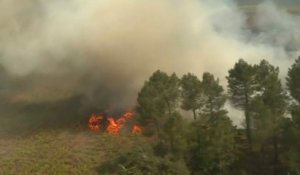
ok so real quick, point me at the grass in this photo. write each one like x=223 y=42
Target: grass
x=47 y=139
x=61 y=152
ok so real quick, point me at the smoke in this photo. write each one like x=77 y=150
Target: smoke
x=104 y=50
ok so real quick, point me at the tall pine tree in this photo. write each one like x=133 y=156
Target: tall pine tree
x=191 y=93
x=272 y=105
x=242 y=85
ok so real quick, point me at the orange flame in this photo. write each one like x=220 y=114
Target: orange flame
x=95 y=122
x=114 y=126
x=136 y=129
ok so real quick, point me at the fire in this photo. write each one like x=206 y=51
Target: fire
x=95 y=122
x=114 y=126
x=136 y=129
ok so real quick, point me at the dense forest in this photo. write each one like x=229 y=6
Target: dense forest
x=209 y=144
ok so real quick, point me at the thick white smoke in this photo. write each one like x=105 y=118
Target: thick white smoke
x=106 y=49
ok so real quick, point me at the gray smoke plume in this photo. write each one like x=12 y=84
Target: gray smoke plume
x=104 y=50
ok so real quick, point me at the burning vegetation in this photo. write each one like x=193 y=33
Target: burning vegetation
x=61 y=59
x=171 y=144
x=115 y=126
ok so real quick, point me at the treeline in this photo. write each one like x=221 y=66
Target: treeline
x=209 y=143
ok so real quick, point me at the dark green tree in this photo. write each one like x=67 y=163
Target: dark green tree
x=214 y=97
x=211 y=138
x=157 y=108
x=242 y=85
x=158 y=99
x=141 y=160
x=191 y=93
x=211 y=146
x=293 y=80
x=271 y=105
x=293 y=84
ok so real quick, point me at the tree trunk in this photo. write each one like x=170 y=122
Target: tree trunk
x=194 y=113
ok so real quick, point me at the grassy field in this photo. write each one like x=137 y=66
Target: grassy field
x=61 y=152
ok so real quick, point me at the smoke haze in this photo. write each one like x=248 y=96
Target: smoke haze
x=104 y=50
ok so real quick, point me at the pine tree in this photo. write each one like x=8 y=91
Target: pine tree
x=293 y=80
x=191 y=93
x=157 y=108
x=293 y=84
x=242 y=85
x=271 y=105
x=211 y=138
x=214 y=97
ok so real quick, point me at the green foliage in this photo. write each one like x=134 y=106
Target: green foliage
x=157 y=108
x=191 y=93
x=204 y=98
x=267 y=111
x=270 y=98
x=203 y=153
x=293 y=132
x=211 y=146
x=158 y=100
x=293 y=80
x=258 y=91
x=295 y=111
x=242 y=85
x=214 y=96
x=291 y=143
x=271 y=91
x=140 y=160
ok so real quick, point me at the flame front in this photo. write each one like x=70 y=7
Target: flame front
x=114 y=126
x=95 y=122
